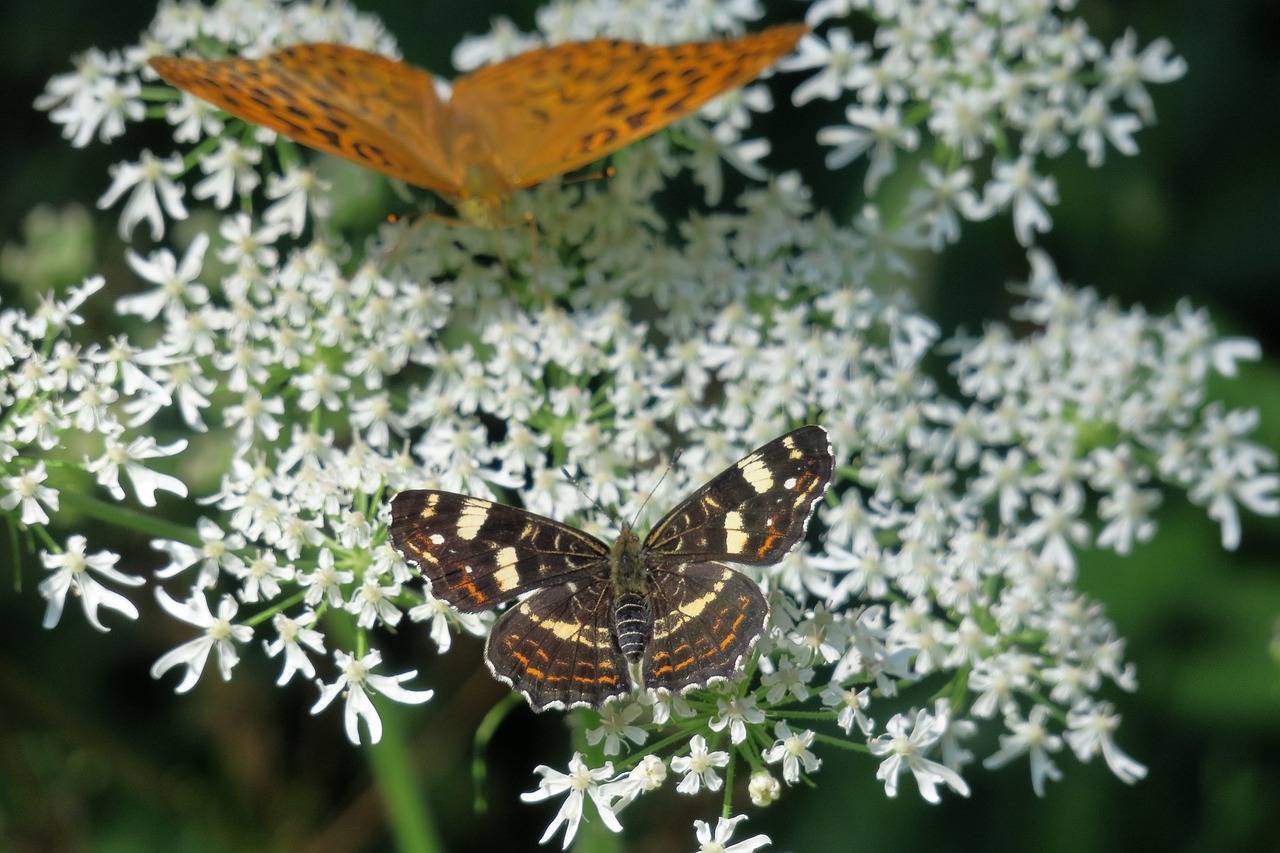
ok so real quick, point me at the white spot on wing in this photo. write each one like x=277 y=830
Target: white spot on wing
x=693 y=609
x=471 y=519
x=506 y=577
x=756 y=473
x=735 y=538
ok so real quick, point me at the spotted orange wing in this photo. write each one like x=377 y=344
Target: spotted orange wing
x=372 y=110
x=510 y=125
x=555 y=109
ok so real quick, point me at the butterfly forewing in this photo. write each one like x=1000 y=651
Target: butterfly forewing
x=606 y=94
x=478 y=554
x=557 y=647
x=755 y=511
x=365 y=107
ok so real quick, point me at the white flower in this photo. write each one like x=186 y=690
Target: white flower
x=951 y=730
x=842 y=65
x=1029 y=737
x=71 y=572
x=699 y=767
x=616 y=721
x=229 y=172
x=1090 y=726
x=1127 y=72
x=736 y=713
x=374 y=601
x=906 y=750
x=879 y=132
x=178 y=290
x=261 y=575
x=103 y=104
x=217 y=552
x=792 y=750
x=786 y=679
x=298 y=191
x=851 y=702
x=245 y=246
x=154 y=193
x=441 y=615
x=292 y=635
x=28 y=489
x=219 y=635
x=326 y=583
x=648 y=775
x=358 y=682
x=1017 y=183
x=764 y=788
x=1098 y=126
x=145 y=482
x=709 y=842
x=193 y=118
x=579 y=783
x=1222 y=486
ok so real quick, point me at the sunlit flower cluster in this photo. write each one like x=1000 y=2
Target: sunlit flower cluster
x=299 y=381
x=980 y=94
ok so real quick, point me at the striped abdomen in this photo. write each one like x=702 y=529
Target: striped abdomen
x=632 y=624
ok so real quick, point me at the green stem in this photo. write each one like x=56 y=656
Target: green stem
x=727 y=809
x=122 y=516
x=593 y=836
x=402 y=794
x=480 y=747
x=840 y=743
x=804 y=715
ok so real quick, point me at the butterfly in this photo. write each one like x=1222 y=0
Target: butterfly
x=504 y=127
x=602 y=621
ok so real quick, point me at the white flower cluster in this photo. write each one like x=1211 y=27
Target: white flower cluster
x=309 y=386
x=57 y=394
x=997 y=86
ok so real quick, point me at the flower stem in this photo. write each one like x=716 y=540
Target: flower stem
x=122 y=516
x=402 y=794
x=406 y=803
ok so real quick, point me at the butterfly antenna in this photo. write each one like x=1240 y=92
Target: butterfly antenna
x=577 y=484
x=596 y=175
x=675 y=457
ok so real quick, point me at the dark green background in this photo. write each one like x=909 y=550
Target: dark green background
x=94 y=755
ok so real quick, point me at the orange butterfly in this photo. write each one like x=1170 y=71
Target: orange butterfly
x=505 y=127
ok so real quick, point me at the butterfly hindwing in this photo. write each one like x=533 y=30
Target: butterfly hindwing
x=478 y=554
x=557 y=647
x=706 y=618
x=756 y=510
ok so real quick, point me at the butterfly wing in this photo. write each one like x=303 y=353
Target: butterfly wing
x=706 y=618
x=557 y=647
x=555 y=109
x=755 y=511
x=375 y=111
x=478 y=554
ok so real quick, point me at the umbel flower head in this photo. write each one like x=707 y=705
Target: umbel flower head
x=607 y=343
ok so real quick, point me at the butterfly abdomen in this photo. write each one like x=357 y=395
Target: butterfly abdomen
x=632 y=624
